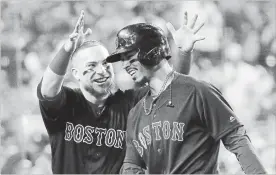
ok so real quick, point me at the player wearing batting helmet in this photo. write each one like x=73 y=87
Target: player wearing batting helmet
x=177 y=127
x=87 y=125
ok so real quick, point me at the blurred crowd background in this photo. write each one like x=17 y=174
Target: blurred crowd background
x=238 y=56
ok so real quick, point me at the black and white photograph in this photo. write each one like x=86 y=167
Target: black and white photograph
x=138 y=87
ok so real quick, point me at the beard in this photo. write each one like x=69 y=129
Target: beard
x=141 y=83
x=96 y=90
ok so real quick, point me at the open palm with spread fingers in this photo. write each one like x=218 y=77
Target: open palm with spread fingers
x=78 y=36
x=187 y=35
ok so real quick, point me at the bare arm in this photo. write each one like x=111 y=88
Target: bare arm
x=185 y=38
x=185 y=62
x=239 y=144
x=54 y=75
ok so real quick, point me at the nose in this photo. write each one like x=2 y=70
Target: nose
x=100 y=69
x=125 y=64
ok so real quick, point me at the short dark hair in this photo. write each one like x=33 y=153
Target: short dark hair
x=86 y=44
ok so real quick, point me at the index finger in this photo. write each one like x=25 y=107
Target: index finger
x=79 y=22
x=185 y=18
x=196 y=29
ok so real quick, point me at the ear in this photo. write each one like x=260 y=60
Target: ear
x=75 y=73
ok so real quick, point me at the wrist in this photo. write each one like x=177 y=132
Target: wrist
x=60 y=62
x=185 y=52
x=68 y=46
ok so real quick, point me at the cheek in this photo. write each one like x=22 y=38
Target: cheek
x=109 y=70
x=87 y=75
x=140 y=68
x=137 y=65
x=88 y=72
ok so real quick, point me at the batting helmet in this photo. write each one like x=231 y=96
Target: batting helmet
x=150 y=42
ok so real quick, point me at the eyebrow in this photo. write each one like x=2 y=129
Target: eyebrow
x=91 y=62
x=95 y=62
x=133 y=60
x=131 y=53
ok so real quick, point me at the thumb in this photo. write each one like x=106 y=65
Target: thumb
x=199 y=38
x=88 y=32
x=170 y=28
x=73 y=36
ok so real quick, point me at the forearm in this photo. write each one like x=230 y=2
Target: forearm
x=54 y=75
x=129 y=168
x=185 y=59
x=238 y=143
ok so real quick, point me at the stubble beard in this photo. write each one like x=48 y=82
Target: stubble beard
x=143 y=82
x=97 y=93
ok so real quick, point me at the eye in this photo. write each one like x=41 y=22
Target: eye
x=91 y=65
x=105 y=64
x=132 y=61
x=131 y=54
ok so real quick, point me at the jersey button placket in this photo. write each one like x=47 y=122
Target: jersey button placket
x=159 y=150
x=154 y=110
x=98 y=155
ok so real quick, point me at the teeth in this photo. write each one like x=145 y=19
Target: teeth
x=131 y=72
x=100 y=80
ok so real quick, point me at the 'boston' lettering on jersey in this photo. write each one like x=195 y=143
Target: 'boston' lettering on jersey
x=174 y=132
x=79 y=134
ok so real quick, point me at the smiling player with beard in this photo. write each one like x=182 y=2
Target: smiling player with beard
x=86 y=125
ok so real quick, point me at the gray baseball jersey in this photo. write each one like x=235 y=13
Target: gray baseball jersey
x=184 y=137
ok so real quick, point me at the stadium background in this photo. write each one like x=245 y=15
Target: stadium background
x=237 y=56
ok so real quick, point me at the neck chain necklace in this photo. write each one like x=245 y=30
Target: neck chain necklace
x=148 y=111
x=100 y=110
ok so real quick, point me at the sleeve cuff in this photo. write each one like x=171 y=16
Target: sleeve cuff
x=140 y=164
x=48 y=101
x=227 y=131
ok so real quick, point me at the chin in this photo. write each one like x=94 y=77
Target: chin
x=141 y=81
x=96 y=90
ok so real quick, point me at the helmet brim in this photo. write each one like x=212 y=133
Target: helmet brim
x=116 y=56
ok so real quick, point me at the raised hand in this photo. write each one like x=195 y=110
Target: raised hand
x=186 y=36
x=77 y=37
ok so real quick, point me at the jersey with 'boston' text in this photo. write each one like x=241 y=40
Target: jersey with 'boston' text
x=84 y=139
x=182 y=137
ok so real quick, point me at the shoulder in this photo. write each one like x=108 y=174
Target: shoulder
x=139 y=92
x=199 y=86
x=73 y=91
x=131 y=95
x=117 y=96
x=135 y=113
x=74 y=95
x=120 y=98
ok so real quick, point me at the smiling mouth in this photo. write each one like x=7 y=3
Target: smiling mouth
x=131 y=71
x=101 y=80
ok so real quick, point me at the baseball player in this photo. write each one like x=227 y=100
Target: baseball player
x=87 y=125
x=177 y=127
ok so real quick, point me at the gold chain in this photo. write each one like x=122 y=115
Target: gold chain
x=148 y=111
